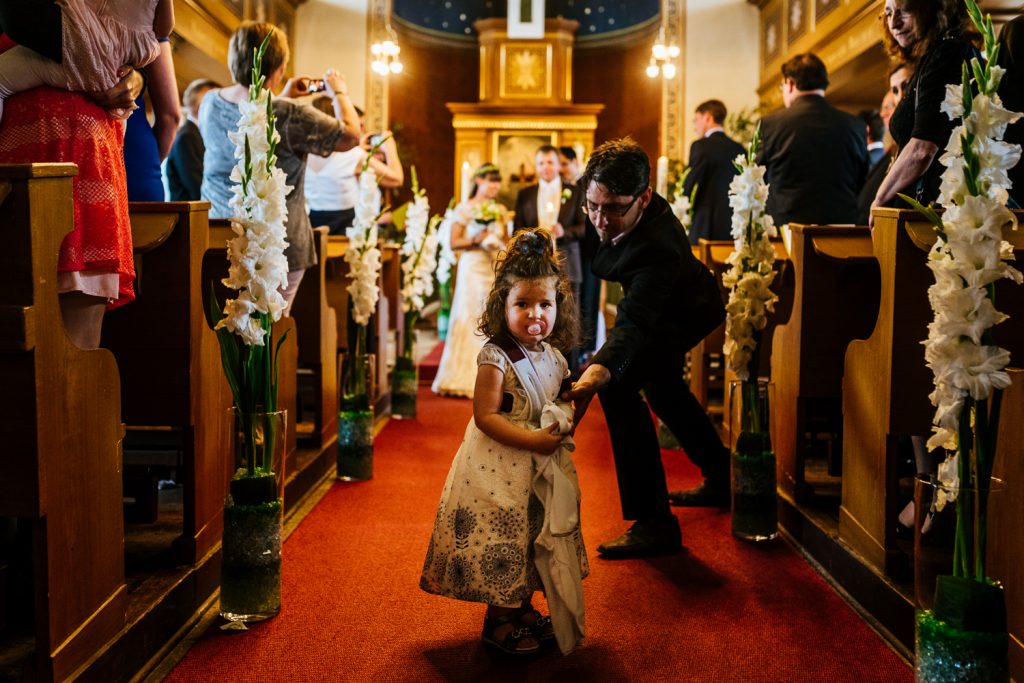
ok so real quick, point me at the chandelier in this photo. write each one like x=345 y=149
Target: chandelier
x=385 y=54
x=663 y=58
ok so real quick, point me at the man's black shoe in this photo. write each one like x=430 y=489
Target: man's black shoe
x=705 y=495
x=645 y=538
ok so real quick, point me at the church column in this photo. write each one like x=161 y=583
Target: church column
x=378 y=17
x=673 y=117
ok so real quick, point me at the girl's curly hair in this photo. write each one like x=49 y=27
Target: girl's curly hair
x=531 y=255
x=934 y=19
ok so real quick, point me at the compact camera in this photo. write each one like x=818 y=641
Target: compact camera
x=316 y=85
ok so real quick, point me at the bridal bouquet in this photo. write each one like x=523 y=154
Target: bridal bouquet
x=968 y=257
x=487 y=212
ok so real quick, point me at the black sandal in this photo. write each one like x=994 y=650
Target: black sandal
x=541 y=626
x=512 y=643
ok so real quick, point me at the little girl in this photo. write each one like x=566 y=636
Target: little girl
x=97 y=38
x=508 y=520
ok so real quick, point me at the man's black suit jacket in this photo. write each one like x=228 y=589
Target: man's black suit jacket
x=671 y=299
x=185 y=164
x=711 y=170
x=570 y=215
x=817 y=159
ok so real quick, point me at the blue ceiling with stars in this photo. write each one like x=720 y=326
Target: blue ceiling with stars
x=598 y=18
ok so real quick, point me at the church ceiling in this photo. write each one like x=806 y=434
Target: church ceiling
x=598 y=19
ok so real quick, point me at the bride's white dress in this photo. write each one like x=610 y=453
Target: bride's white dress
x=456 y=375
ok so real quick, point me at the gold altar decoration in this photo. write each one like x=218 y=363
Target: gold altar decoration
x=525 y=102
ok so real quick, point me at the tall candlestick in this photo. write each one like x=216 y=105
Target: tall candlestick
x=467 y=180
x=661 y=186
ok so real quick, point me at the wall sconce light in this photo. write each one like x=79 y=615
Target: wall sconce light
x=385 y=54
x=663 y=58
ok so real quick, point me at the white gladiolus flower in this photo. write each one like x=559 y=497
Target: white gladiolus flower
x=419 y=255
x=969 y=255
x=257 y=266
x=363 y=255
x=683 y=211
x=751 y=273
x=446 y=257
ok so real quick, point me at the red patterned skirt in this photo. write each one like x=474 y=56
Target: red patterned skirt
x=49 y=125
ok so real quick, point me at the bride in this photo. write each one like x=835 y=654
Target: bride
x=477 y=234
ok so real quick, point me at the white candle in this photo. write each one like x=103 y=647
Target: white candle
x=467 y=180
x=661 y=185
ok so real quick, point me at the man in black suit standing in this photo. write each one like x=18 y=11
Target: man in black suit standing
x=815 y=155
x=671 y=302
x=185 y=162
x=711 y=170
x=555 y=206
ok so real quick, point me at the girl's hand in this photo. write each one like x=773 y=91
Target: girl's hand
x=547 y=440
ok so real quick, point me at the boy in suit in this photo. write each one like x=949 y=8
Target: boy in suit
x=711 y=170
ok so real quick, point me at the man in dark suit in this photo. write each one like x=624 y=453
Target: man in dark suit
x=815 y=155
x=671 y=302
x=185 y=161
x=555 y=206
x=874 y=131
x=711 y=170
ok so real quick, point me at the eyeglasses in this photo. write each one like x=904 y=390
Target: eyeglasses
x=609 y=210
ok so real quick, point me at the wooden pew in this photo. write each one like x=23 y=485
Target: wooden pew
x=782 y=286
x=1006 y=510
x=319 y=343
x=169 y=362
x=886 y=382
x=215 y=268
x=707 y=366
x=60 y=426
x=835 y=300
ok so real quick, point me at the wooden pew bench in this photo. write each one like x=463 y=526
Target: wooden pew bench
x=174 y=394
x=835 y=300
x=60 y=426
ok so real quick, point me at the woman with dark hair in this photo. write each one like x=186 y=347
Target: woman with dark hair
x=933 y=37
x=304 y=130
x=478 y=234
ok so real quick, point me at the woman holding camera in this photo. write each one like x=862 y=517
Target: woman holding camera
x=303 y=130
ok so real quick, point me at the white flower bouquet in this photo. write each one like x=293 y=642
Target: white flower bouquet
x=258 y=268
x=968 y=257
x=682 y=204
x=750 y=300
x=419 y=252
x=751 y=264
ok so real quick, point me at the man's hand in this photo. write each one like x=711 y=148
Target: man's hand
x=122 y=96
x=582 y=391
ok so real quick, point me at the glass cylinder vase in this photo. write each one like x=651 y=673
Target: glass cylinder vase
x=961 y=631
x=250 y=585
x=754 y=501
x=355 y=419
x=404 y=380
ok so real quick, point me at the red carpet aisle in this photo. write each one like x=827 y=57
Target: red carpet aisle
x=721 y=611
